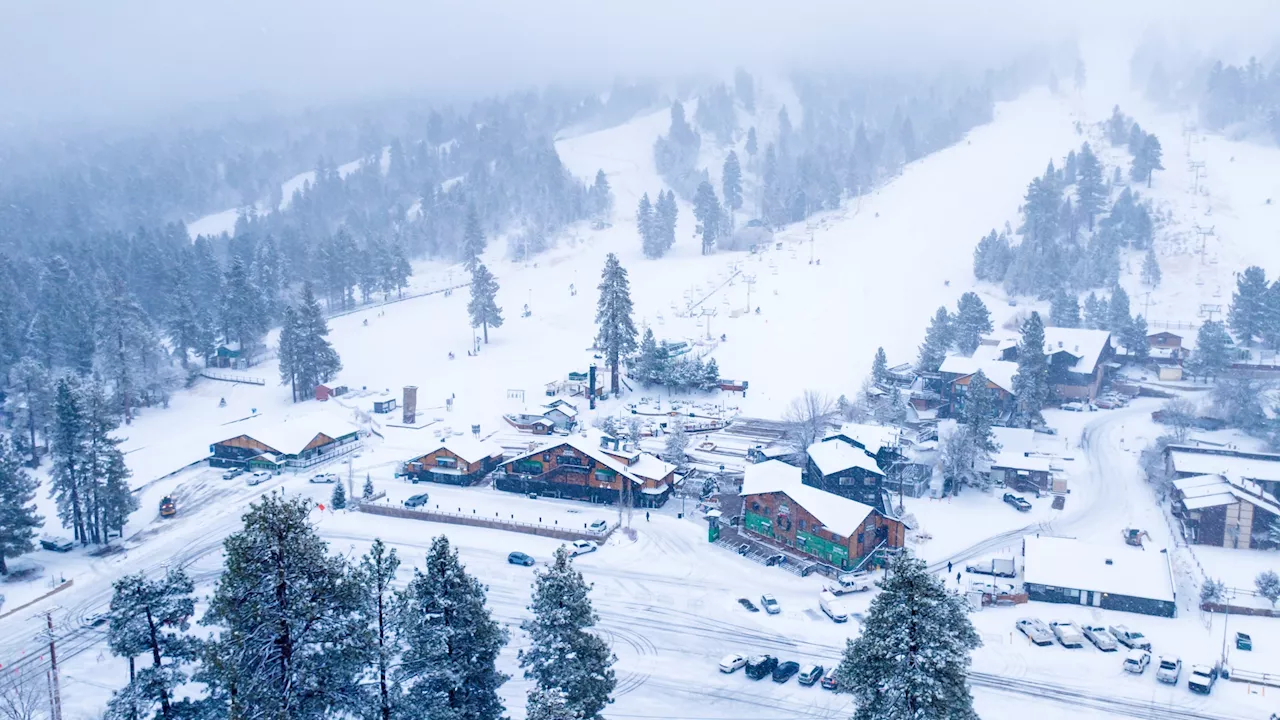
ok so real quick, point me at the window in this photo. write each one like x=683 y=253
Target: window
x=802 y=524
x=446 y=462
x=755 y=506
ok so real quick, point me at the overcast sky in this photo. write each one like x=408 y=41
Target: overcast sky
x=83 y=60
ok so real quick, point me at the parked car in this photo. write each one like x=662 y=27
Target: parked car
x=770 y=604
x=732 y=662
x=760 y=665
x=323 y=479
x=1073 y=406
x=1100 y=637
x=784 y=671
x=1068 y=633
x=1017 y=502
x=833 y=607
x=999 y=567
x=1168 y=668
x=743 y=549
x=582 y=547
x=519 y=558
x=56 y=544
x=417 y=501
x=809 y=674
x=1131 y=639
x=1201 y=679
x=1243 y=641
x=987 y=588
x=96 y=619
x=232 y=474
x=829 y=679
x=1136 y=661
x=257 y=477
x=744 y=602
x=851 y=583
x=599 y=526
x=1035 y=630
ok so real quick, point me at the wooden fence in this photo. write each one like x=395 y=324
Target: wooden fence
x=228 y=377
x=553 y=531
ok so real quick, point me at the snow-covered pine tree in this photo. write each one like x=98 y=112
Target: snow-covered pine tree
x=400 y=270
x=731 y=184
x=1118 y=318
x=1031 y=381
x=666 y=213
x=29 y=401
x=648 y=361
x=317 y=360
x=71 y=469
x=473 y=241
x=1135 y=339
x=1064 y=310
x=563 y=653
x=189 y=326
x=149 y=618
x=977 y=415
x=548 y=705
x=1151 y=269
x=972 y=321
x=646 y=225
x=706 y=208
x=1248 y=312
x=1091 y=192
x=243 y=317
x=710 y=376
x=601 y=195
x=910 y=661
x=991 y=257
x=1136 y=138
x=676 y=444
x=338 y=500
x=377 y=610
x=366 y=492
x=1148 y=159
x=880 y=367
x=1095 y=312
x=1212 y=354
x=616 y=334
x=483 y=306
x=288 y=351
x=1267 y=583
x=752 y=145
x=18 y=519
x=451 y=642
x=289 y=638
x=937 y=341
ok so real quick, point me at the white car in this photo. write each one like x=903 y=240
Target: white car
x=770 y=604
x=732 y=662
x=1100 y=637
x=1068 y=633
x=1201 y=679
x=582 y=547
x=1035 y=630
x=1168 y=669
x=1136 y=661
x=599 y=526
x=324 y=479
x=257 y=478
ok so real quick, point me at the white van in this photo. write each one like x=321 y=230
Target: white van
x=832 y=607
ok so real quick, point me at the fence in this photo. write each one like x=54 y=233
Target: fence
x=227 y=377
x=1257 y=678
x=1239 y=609
x=496 y=523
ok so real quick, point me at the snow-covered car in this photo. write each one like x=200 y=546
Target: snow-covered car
x=829 y=679
x=1100 y=637
x=323 y=479
x=1068 y=633
x=582 y=547
x=56 y=544
x=96 y=619
x=232 y=474
x=987 y=588
x=1035 y=630
x=1201 y=679
x=599 y=526
x=417 y=501
x=257 y=478
x=760 y=665
x=1073 y=406
x=746 y=603
x=770 y=604
x=1136 y=661
x=999 y=567
x=1131 y=639
x=833 y=607
x=1019 y=503
x=732 y=662
x=809 y=674
x=1168 y=668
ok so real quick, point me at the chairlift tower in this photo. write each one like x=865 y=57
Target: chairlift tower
x=1204 y=234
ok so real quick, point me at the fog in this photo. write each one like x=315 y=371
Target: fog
x=84 y=61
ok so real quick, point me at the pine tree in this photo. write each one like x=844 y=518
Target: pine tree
x=880 y=367
x=1267 y=583
x=616 y=334
x=149 y=618
x=1091 y=193
x=1135 y=339
x=317 y=361
x=1147 y=159
x=601 y=195
x=377 y=611
x=1118 y=318
x=937 y=341
x=1064 y=310
x=972 y=321
x=752 y=146
x=1136 y=139
x=290 y=635
x=1095 y=312
x=243 y=316
x=18 y=519
x=1150 y=269
x=978 y=414
x=676 y=446
x=548 y=705
x=666 y=212
x=910 y=661
x=483 y=306
x=1031 y=381
x=400 y=271
x=68 y=448
x=451 y=642
x=289 y=352
x=338 y=500
x=648 y=368
x=991 y=257
x=647 y=225
x=706 y=208
x=1248 y=312
x=1212 y=355
x=731 y=183
x=366 y=493
x=473 y=242
x=563 y=653
x=28 y=401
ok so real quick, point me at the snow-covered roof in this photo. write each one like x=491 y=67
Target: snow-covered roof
x=999 y=372
x=1082 y=343
x=1018 y=461
x=566 y=410
x=471 y=449
x=661 y=488
x=873 y=437
x=1014 y=440
x=1199 y=463
x=651 y=468
x=1202 y=491
x=833 y=456
x=1114 y=569
x=289 y=437
x=584 y=446
x=840 y=515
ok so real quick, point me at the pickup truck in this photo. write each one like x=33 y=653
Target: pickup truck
x=1130 y=638
x=1035 y=630
x=1067 y=633
x=999 y=567
x=851 y=583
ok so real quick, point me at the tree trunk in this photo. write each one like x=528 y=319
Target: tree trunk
x=486 y=332
x=31 y=427
x=155 y=661
x=4 y=569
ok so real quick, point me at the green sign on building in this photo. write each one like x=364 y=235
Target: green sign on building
x=758 y=524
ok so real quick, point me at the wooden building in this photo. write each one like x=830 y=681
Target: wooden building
x=1078 y=360
x=296 y=443
x=1111 y=577
x=830 y=528
x=580 y=470
x=1224 y=511
x=536 y=424
x=1164 y=340
x=843 y=468
x=456 y=461
x=1189 y=460
x=1022 y=472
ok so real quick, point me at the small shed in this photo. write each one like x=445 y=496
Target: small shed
x=1170 y=372
x=1164 y=339
x=324 y=392
x=384 y=404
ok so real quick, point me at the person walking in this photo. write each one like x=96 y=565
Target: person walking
x=957 y=578
x=646 y=516
x=948 y=567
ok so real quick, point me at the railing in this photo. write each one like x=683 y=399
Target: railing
x=553 y=531
x=1257 y=678
x=228 y=377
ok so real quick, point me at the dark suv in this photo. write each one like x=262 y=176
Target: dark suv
x=785 y=671
x=417 y=501
x=760 y=665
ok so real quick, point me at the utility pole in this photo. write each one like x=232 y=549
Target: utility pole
x=751 y=281
x=351 y=488
x=55 y=691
